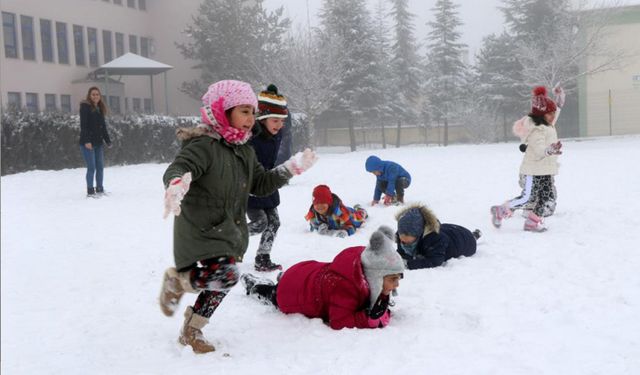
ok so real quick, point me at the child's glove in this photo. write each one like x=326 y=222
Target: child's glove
x=323 y=229
x=388 y=200
x=374 y=202
x=301 y=161
x=341 y=233
x=554 y=149
x=559 y=95
x=178 y=187
x=382 y=321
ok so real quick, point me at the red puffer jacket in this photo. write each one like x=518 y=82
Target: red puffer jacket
x=337 y=292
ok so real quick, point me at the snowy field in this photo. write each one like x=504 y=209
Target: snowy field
x=81 y=277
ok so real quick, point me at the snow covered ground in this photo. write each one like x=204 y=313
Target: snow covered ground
x=80 y=277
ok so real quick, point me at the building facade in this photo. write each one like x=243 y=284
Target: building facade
x=609 y=102
x=51 y=47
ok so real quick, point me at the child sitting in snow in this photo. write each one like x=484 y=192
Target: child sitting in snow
x=329 y=216
x=391 y=179
x=423 y=242
x=352 y=291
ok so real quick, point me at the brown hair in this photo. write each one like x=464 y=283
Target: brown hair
x=101 y=105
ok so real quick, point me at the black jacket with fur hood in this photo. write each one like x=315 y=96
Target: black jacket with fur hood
x=439 y=242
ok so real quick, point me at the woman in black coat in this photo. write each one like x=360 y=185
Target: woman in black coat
x=423 y=242
x=93 y=132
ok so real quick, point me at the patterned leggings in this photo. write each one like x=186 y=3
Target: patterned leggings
x=538 y=194
x=214 y=278
x=267 y=222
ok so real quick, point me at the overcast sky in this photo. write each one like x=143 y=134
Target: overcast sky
x=480 y=17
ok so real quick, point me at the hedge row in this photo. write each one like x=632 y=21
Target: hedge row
x=50 y=140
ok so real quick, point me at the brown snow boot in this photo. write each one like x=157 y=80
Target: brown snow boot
x=174 y=285
x=192 y=335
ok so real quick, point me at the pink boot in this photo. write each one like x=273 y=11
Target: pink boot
x=498 y=213
x=534 y=223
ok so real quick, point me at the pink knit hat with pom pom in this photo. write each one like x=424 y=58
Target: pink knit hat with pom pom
x=224 y=95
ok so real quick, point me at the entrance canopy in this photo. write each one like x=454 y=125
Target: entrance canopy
x=131 y=64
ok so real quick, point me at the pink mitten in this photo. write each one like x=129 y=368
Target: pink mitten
x=554 y=149
x=559 y=95
x=382 y=321
x=178 y=187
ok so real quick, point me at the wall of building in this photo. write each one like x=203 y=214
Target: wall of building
x=160 y=23
x=610 y=100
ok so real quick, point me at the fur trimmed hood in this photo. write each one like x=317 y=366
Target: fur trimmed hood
x=185 y=134
x=431 y=223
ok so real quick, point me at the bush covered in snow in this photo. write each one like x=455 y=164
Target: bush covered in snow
x=50 y=140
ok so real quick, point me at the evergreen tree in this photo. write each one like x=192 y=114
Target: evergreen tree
x=444 y=59
x=498 y=83
x=231 y=40
x=386 y=108
x=404 y=63
x=359 y=90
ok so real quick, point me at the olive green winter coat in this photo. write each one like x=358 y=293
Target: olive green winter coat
x=212 y=222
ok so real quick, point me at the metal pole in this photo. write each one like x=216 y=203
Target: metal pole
x=152 y=98
x=610 y=125
x=106 y=85
x=166 y=95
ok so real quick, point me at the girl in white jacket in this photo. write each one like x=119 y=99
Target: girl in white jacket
x=539 y=164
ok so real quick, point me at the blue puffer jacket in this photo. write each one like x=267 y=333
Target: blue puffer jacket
x=266 y=147
x=439 y=243
x=390 y=173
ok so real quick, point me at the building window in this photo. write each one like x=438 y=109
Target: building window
x=10 y=36
x=107 y=46
x=62 y=42
x=50 y=102
x=92 y=36
x=142 y=4
x=28 y=42
x=117 y=2
x=114 y=104
x=131 y=3
x=136 y=104
x=65 y=103
x=46 y=37
x=32 y=101
x=147 y=105
x=144 y=47
x=133 y=44
x=78 y=42
x=126 y=105
x=119 y=44
x=14 y=100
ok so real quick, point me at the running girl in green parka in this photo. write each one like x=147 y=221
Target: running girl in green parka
x=207 y=188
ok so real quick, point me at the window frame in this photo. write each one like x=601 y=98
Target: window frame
x=92 y=46
x=133 y=47
x=47 y=107
x=30 y=107
x=46 y=40
x=78 y=45
x=27 y=35
x=10 y=51
x=62 y=43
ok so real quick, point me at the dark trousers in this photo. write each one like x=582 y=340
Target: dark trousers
x=267 y=222
x=401 y=184
x=214 y=277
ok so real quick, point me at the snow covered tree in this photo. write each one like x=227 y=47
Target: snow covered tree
x=446 y=70
x=306 y=73
x=553 y=39
x=382 y=44
x=404 y=65
x=359 y=91
x=230 y=40
x=498 y=83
